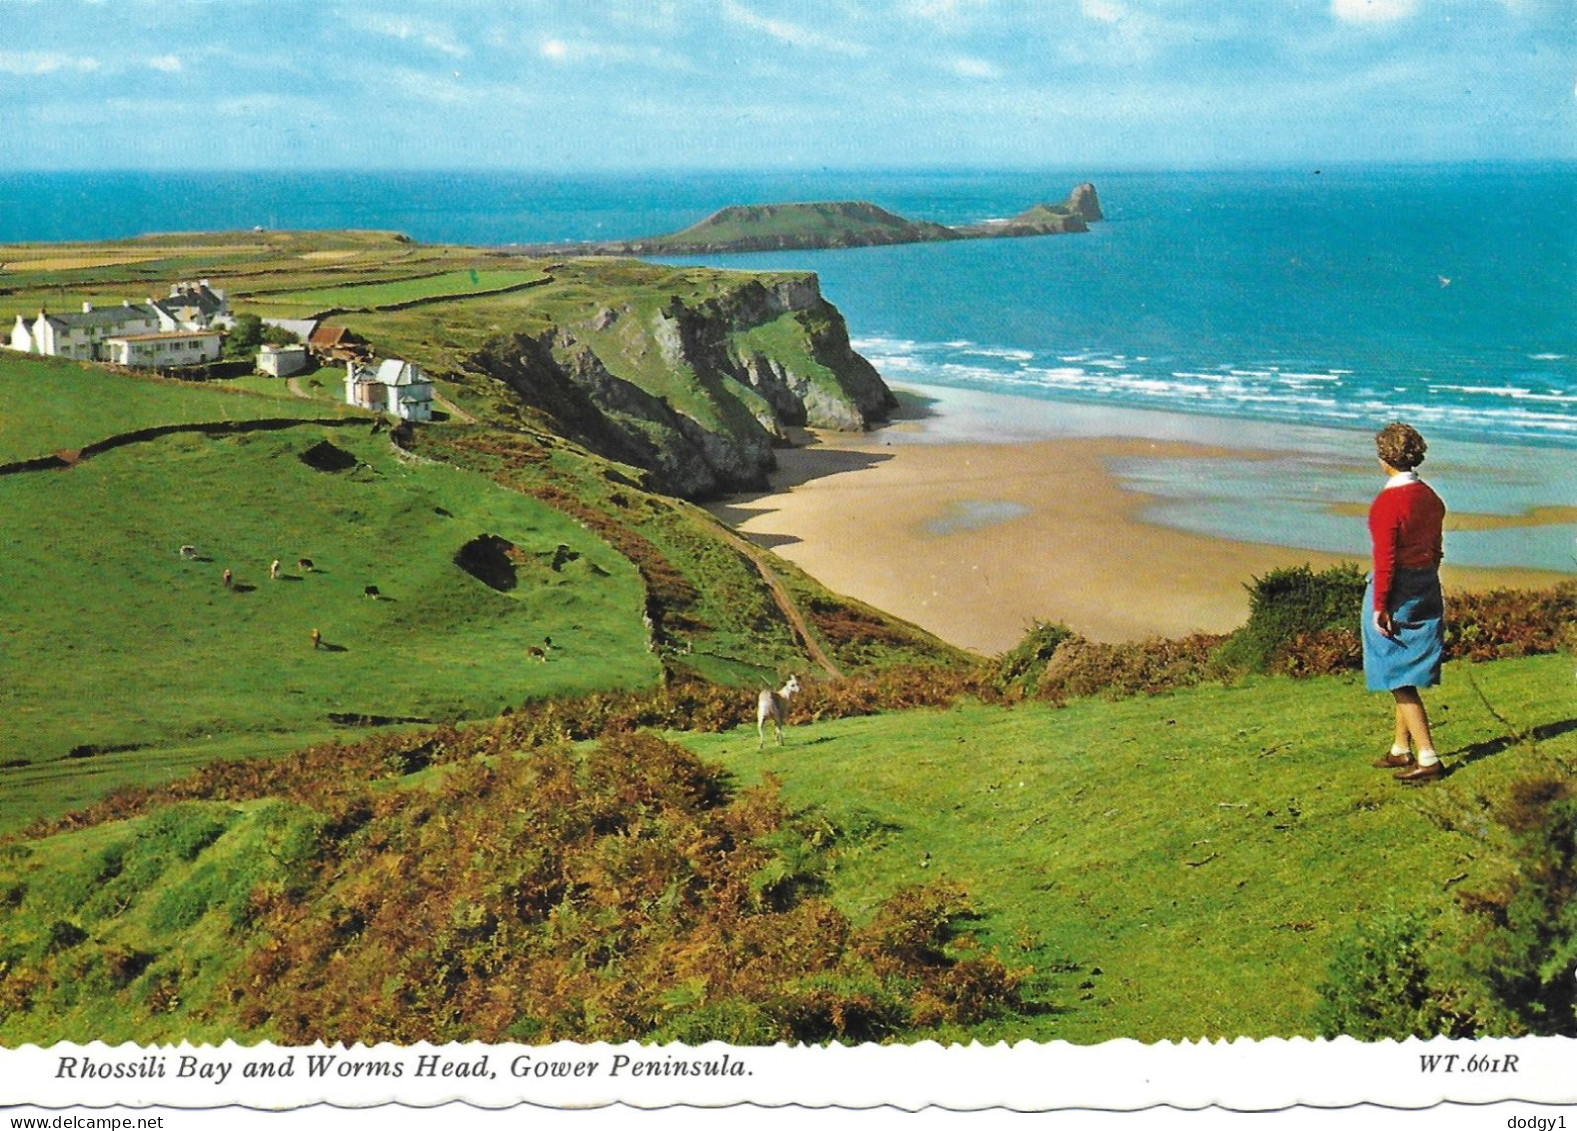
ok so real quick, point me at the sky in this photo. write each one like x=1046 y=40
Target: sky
x=582 y=85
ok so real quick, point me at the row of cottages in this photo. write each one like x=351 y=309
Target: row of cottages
x=181 y=329
x=394 y=386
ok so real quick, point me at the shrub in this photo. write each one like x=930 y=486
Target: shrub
x=621 y=893
x=1292 y=603
x=1523 y=949
x=1019 y=669
x=1378 y=984
x=1083 y=667
x=1511 y=622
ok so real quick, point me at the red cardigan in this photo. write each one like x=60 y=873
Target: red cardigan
x=1404 y=524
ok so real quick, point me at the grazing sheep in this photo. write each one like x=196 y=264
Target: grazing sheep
x=317 y=639
x=774 y=705
x=304 y=565
x=273 y=570
x=188 y=553
x=371 y=591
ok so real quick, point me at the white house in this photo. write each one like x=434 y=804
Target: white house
x=82 y=336
x=193 y=306
x=281 y=361
x=163 y=351
x=395 y=386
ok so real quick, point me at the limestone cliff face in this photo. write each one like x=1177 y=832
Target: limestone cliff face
x=697 y=385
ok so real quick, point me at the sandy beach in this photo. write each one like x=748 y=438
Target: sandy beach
x=973 y=540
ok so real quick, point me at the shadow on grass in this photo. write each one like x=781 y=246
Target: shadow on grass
x=1480 y=750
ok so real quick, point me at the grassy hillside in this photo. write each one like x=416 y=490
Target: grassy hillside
x=1172 y=867
x=125 y=663
x=114 y=641
x=1203 y=850
x=58 y=404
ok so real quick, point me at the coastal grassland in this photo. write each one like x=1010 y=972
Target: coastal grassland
x=370 y=296
x=712 y=607
x=1180 y=866
x=113 y=640
x=57 y=404
x=1177 y=866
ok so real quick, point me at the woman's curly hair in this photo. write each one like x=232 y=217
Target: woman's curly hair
x=1401 y=446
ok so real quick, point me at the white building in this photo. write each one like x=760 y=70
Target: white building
x=396 y=387
x=281 y=361
x=193 y=306
x=172 y=350
x=82 y=336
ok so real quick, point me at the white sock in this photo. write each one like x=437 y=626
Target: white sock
x=1401 y=749
x=1427 y=757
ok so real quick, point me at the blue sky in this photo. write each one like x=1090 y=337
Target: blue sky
x=552 y=85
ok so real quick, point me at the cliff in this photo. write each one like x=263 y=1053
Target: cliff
x=693 y=376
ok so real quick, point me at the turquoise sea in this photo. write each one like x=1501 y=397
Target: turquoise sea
x=1293 y=310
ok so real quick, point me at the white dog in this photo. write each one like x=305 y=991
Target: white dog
x=772 y=705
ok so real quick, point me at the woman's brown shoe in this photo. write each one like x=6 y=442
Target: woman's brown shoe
x=1419 y=774
x=1394 y=761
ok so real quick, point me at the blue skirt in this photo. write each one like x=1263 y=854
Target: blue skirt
x=1412 y=657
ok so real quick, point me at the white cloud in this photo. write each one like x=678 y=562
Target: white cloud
x=44 y=63
x=1103 y=11
x=169 y=64
x=968 y=67
x=1372 y=11
x=428 y=33
x=790 y=33
x=556 y=50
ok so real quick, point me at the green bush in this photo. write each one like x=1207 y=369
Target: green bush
x=1020 y=668
x=1378 y=984
x=1523 y=953
x=1291 y=605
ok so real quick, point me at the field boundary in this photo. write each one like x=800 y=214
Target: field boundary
x=69 y=457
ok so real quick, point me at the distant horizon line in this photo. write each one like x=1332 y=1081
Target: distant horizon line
x=1086 y=170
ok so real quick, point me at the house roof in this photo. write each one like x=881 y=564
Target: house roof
x=394 y=371
x=102 y=316
x=167 y=336
x=192 y=296
x=326 y=337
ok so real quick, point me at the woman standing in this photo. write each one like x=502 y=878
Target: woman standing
x=1403 y=626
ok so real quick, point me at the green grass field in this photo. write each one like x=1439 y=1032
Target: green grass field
x=55 y=404
x=451 y=284
x=1168 y=868
x=1201 y=850
x=114 y=640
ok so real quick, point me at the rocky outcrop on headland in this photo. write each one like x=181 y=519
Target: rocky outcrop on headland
x=696 y=385
x=820 y=225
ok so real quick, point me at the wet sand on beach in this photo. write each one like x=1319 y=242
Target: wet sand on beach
x=974 y=541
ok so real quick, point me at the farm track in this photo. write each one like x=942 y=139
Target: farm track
x=785 y=602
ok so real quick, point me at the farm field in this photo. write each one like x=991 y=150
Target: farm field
x=115 y=641
x=71 y=404
x=451 y=284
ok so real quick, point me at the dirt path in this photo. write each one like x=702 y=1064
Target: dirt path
x=455 y=411
x=296 y=390
x=785 y=603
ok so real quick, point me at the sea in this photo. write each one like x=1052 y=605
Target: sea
x=1289 y=312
